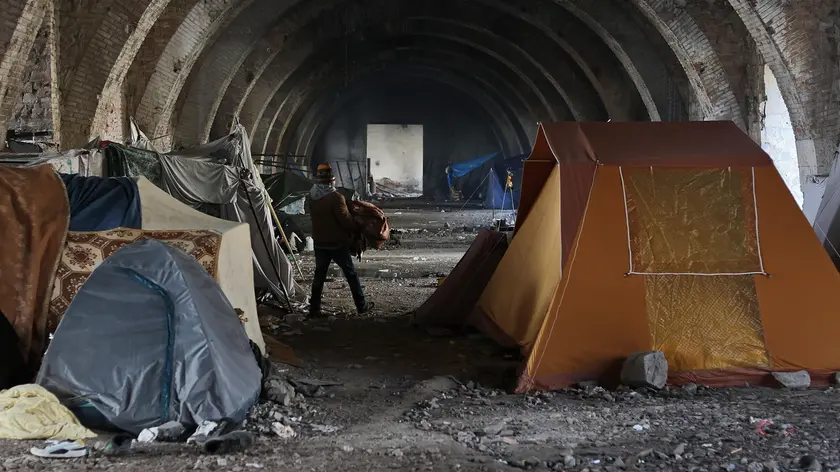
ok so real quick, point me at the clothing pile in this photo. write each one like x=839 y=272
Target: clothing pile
x=373 y=227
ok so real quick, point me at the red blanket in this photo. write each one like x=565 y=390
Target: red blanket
x=373 y=227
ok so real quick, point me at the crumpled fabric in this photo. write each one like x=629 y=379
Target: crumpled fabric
x=373 y=227
x=31 y=412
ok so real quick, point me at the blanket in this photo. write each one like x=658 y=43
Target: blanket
x=31 y=412
x=35 y=215
x=373 y=227
x=85 y=251
x=99 y=204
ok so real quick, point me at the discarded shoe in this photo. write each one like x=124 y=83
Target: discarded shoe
x=236 y=441
x=61 y=450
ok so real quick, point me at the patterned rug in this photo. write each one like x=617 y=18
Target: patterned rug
x=85 y=251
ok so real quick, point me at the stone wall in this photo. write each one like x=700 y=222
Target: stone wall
x=34 y=110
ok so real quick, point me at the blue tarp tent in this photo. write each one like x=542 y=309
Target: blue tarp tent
x=495 y=196
x=461 y=169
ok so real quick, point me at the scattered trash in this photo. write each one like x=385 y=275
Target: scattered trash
x=282 y=431
x=202 y=433
x=168 y=432
x=61 y=450
x=254 y=465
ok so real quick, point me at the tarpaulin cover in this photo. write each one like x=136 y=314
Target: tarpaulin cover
x=460 y=169
x=151 y=338
x=198 y=181
x=691 y=221
x=219 y=159
x=34 y=216
x=453 y=302
x=102 y=203
x=497 y=196
x=285 y=188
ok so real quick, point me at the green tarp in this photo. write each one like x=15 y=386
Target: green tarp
x=286 y=188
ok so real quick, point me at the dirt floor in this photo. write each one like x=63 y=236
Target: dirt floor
x=375 y=393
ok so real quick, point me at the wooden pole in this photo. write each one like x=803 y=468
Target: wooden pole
x=283 y=233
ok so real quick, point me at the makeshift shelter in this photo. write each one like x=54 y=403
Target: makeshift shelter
x=85 y=162
x=222 y=247
x=453 y=302
x=220 y=179
x=151 y=338
x=677 y=237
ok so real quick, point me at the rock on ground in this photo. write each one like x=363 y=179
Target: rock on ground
x=799 y=379
x=645 y=369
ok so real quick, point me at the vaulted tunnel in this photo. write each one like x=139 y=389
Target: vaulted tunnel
x=305 y=77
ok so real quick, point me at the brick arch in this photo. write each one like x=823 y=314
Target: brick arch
x=805 y=66
x=503 y=91
x=202 y=25
x=320 y=111
x=109 y=118
x=317 y=107
x=410 y=26
x=92 y=37
x=290 y=92
x=210 y=109
x=247 y=86
x=15 y=45
x=697 y=57
x=152 y=52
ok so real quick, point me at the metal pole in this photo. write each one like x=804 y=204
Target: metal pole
x=493 y=193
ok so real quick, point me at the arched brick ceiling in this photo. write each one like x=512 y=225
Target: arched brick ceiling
x=185 y=68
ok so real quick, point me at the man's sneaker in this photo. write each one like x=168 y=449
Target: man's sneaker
x=367 y=308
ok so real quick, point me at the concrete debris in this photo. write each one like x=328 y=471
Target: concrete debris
x=645 y=370
x=279 y=391
x=282 y=431
x=793 y=380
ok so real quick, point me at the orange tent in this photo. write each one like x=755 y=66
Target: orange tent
x=678 y=237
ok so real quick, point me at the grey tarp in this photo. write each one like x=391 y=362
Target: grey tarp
x=827 y=221
x=151 y=338
x=203 y=175
x=199 y=181
x=250 y=206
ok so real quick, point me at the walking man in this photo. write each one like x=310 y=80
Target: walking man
x=332 y=228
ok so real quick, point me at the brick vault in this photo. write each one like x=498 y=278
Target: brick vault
x=302 y=74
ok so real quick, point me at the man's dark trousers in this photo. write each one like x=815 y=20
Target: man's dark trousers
x=344 y=259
